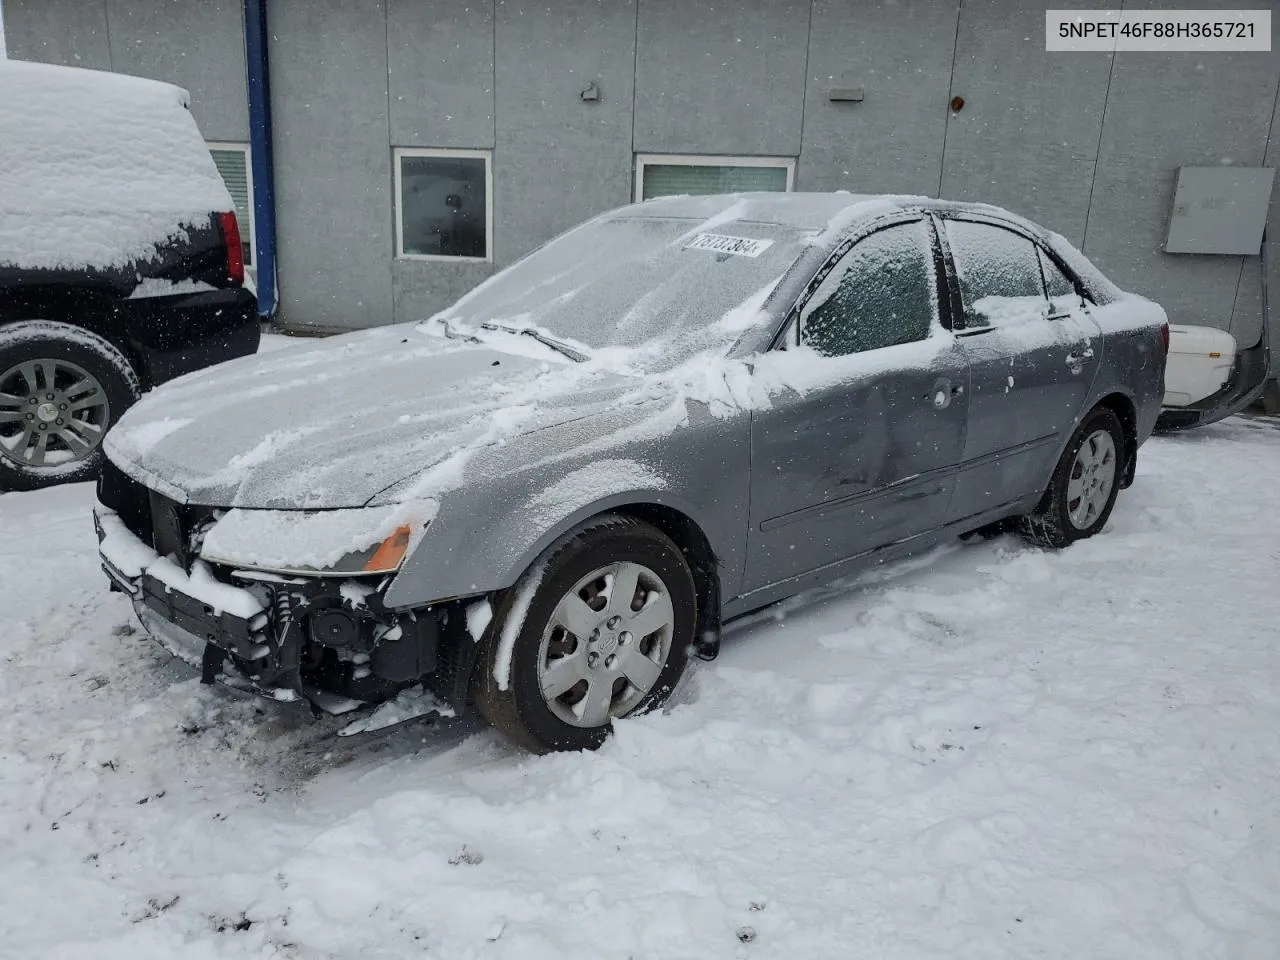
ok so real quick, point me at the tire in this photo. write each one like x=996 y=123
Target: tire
x=594 y=669
x=1084 y=486
x=71 y=384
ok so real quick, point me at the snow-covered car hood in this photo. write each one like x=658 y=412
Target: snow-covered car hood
x=334 y=423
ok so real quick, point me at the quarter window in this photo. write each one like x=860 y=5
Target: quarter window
x=882 y=293
x=661 y=175
x=999 y=273
x=444 y=201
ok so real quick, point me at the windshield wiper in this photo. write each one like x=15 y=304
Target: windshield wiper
x=453 y=334
x=541 y=337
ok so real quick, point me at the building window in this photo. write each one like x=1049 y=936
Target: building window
x=444 y=204
x=232 y=161
x=658 y=175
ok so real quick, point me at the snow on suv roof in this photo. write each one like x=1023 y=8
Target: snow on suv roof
x=98 y=167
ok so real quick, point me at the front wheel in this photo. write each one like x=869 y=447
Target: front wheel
x=61 y=389
x=599 y=628
x=1084 y=485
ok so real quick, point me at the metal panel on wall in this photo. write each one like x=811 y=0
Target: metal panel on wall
x=333 y=162
x=1026 y=137
x=891 y=141
x=1219 y=209
x=206 y=57
x=559 y=158
x=727 y=79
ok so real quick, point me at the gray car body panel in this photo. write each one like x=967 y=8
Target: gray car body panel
x=618 y=448
x=520 y=497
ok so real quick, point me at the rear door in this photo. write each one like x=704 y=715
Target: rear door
x=865 y=453
x=1033 y=352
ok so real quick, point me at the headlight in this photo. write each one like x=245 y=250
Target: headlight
x=318 y=543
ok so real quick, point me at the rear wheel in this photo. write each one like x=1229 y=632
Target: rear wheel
x=599 y=628
x=61 y=389
x=1083 y=490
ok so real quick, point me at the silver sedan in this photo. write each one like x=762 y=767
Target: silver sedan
x=545 y=500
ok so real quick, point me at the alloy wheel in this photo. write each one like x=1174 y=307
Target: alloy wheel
x=52 y=412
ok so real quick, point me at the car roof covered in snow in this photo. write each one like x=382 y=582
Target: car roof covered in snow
x=804 y=211
x=818 y=212
x=99 y=168
x=830 y=215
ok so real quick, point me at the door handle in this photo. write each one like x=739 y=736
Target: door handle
x=943 y=391
x=1075 y=361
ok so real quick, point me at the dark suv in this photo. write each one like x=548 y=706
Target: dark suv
x=121 y=264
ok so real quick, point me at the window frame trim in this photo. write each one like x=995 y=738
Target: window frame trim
x=788 y=335
x=246 y=149
x=709 y=160
x=953 y=273
x=1047 y=260
x=485 y=154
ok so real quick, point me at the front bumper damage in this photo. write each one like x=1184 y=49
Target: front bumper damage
x=329 y=641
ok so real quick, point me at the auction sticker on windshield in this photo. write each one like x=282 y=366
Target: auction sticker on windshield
x=738 y=246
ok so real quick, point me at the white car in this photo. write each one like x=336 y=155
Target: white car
x=1207 y=377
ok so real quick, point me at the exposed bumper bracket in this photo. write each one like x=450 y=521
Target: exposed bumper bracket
x=211 y=663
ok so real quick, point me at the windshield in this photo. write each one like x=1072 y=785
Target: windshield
x=631 y=281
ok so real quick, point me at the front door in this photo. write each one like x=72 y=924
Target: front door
x=862 y=452
x=1033 y=351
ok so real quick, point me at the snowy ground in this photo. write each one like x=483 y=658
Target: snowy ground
x=997 y=752
x=277 y=341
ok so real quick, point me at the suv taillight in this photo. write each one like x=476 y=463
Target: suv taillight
x=1164 y=335
x=235 y=253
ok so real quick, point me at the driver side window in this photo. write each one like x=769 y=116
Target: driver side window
x=882 y=293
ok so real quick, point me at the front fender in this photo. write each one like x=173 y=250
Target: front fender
x=490 y=529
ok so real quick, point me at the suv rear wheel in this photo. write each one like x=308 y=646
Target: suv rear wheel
x=61 y=389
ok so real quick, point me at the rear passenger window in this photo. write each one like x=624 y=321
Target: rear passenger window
x=999 y=273
x=882 y=293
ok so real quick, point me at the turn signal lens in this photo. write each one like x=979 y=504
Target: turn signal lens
x=390 y=552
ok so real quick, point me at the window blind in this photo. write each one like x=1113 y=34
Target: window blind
x=668 y=179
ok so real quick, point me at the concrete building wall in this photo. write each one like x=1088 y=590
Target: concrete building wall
x=441 y=94
x=198 y=46
x=1088 y=144
x=1027 y=135
x=329 y=94
x=70 y=32
x=724 y=82
x=869 y=147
